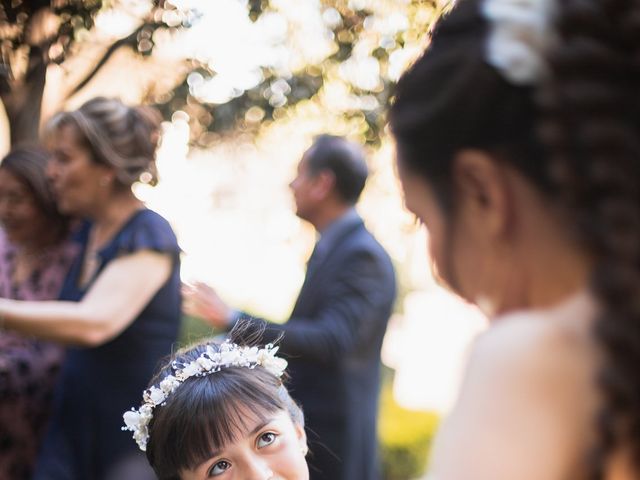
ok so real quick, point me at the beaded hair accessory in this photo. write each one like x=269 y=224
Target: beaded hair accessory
x=521 y=34
x=209 y=362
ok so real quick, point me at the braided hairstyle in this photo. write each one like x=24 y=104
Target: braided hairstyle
x=575 y=135
x=591 y=123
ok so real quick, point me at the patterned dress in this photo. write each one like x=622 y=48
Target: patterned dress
x=28 y=367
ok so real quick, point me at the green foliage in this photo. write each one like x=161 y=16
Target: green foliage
x=356 y=33
x=405 y=438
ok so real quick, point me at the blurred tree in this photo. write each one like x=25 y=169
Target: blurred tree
x=368 y=43
x=35 y=34
x=359 y=49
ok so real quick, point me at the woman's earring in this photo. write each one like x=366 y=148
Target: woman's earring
x=304 y=449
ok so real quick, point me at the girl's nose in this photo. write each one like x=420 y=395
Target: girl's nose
x=258 y=469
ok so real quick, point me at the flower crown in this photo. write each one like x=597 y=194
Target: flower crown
x=522 y=32
x=210 y=361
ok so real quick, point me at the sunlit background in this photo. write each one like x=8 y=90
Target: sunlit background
x=244 y=89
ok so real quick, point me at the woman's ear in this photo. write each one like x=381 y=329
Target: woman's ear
x=483 y=192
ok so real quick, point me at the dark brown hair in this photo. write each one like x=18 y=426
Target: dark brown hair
x=208 y=412
x=575 y=136
x=345 y=160
x=121 y=137
x=28 y=164
x=592 y=126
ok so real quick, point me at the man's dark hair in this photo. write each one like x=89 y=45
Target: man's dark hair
x=344 y=159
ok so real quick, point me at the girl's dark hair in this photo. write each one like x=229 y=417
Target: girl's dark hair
x=451 y=99
x=28 y=164
x=592 y=127
x=206 y=413
x=122 y=137
x=576 y=137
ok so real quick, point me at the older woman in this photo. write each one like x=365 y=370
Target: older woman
x=119 y=309
x=35 y=255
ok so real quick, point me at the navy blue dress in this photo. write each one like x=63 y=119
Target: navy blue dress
x=99 y=384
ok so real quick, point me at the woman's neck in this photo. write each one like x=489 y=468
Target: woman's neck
x=112 y=214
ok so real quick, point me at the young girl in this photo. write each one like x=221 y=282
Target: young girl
x=221 y=411
x=518 y=141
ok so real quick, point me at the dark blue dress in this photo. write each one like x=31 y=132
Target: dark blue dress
x=99 y=384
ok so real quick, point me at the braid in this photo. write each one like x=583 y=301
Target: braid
x=592 y=127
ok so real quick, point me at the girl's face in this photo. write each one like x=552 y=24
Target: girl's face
x=477 y=249
x=20 y=216
x=78 y=182
x=455 y=249
x=271 y=450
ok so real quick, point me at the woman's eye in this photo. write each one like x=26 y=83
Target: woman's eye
x=219 y=468
x=266 y=439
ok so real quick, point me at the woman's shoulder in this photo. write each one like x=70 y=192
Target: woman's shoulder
x=146 y=217
x=147 y=229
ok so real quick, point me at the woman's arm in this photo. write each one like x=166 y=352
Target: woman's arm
x=116 y=298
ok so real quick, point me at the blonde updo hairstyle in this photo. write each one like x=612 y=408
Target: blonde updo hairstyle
x=119 y=136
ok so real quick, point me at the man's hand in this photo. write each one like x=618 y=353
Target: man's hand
x=202 y=301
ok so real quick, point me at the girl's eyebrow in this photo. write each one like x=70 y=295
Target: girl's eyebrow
x=259 y=427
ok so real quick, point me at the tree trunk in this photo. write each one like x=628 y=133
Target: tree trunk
x=23 y=101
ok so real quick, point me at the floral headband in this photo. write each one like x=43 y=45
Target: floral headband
x=211 y=361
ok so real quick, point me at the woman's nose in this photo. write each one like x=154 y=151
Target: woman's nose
x=51 y=170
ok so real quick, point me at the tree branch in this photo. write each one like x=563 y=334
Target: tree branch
x=105 y=58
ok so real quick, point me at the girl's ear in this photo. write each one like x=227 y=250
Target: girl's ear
x=302 y=438
x=484 y=194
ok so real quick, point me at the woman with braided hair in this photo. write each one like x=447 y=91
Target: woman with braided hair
x=518 y=146
x=119 y=307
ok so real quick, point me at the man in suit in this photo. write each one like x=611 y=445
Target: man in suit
x=334 y=335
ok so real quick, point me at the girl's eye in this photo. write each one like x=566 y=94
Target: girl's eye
x=266 y=439
x=219 y=468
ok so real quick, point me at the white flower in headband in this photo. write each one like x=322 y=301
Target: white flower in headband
x=211 y=361
x=521 y=33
